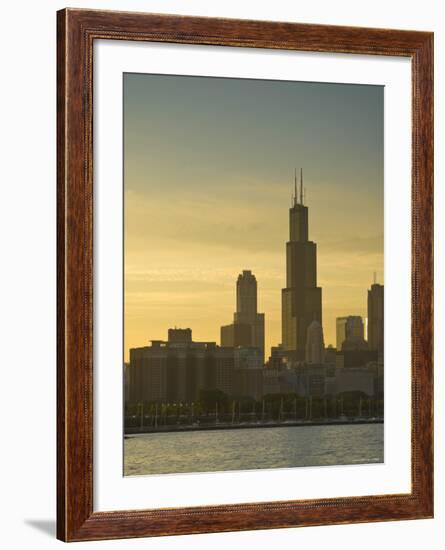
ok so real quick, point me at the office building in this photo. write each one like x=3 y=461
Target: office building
x=315 y=344
x=177 y=369
x=350 y=328
x=236 y=335
x=301 y=299
x=247 y=329
x=376 y=319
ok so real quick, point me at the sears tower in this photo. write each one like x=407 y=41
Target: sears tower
x=301 y=299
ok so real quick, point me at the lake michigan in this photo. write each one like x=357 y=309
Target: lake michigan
x=251 y=449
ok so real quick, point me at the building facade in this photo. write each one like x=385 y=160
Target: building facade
x=376 y=319
x=349 y=328
x=324 y=380
x=236 y=335
x=315 y=344
x=176 y=370
x=247 y=329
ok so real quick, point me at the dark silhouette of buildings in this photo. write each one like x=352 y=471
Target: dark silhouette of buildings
x=180 y=335
x=355 y=357
x=301 y=299
x=352 y=348
x=247 y=329
x=375 y=319
x=176 y=370
x=349 y=329
x=315 y=344
x=236 y=335
x=312 y=380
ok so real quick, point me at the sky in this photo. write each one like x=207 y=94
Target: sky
x=208 y=177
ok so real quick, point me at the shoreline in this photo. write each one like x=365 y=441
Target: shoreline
x=211 y=427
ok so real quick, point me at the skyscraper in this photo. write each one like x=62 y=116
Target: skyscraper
x=246 y=297
x=247 y=329
x=315 y=344
x=349 y=328
x=301 y=299
x=375 y=318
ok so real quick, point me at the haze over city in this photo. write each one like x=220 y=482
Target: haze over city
x=208 y=190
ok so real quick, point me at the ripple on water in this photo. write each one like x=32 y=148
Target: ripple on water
x=247 y=449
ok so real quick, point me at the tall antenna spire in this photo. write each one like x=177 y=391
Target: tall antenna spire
x=295 y=187
x=301 y=185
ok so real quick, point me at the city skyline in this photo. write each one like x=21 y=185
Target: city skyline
x=189 y=231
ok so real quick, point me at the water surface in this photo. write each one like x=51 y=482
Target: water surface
x=251 y=449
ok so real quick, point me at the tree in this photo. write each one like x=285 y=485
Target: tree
x=208 y=399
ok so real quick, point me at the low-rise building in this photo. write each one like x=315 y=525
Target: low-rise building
x=177 y=369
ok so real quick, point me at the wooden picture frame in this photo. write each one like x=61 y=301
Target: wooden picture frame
x=76 y=32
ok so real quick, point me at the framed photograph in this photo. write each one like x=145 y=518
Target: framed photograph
x=245 y=229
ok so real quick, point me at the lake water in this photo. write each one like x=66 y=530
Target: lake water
x=251 y=449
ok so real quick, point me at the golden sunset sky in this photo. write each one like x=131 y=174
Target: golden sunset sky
x=208 y=176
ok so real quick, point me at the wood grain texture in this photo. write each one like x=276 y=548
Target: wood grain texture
x=76 y=32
